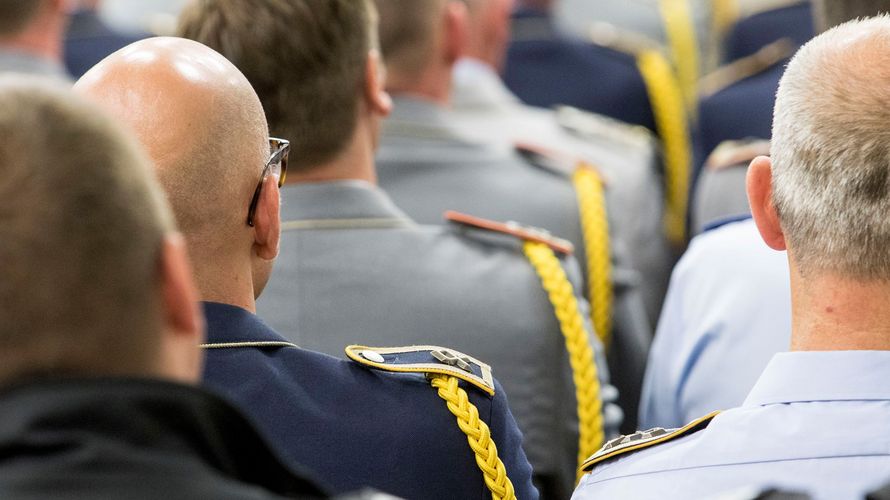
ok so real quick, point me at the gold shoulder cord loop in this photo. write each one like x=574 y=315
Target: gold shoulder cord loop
x=681 y=36
x=595 y=231
x=581 y=359
x=673 y=128
x=478 y=436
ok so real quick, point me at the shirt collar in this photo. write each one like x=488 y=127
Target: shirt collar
x=823 y=376
x=351 y=199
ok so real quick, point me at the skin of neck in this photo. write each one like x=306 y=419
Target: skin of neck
x=222 y=275
x=433 y=85
x=831 y=312
x=43 y=37
x=354 y=162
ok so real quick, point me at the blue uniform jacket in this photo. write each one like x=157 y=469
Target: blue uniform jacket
x=353 y=426
x=546 y=68
x=89 y=40
x=759 y=30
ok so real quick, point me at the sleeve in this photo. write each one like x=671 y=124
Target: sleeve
x=508 y=438
x=658 y=403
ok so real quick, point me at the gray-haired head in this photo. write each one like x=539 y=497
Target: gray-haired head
x=831 y=152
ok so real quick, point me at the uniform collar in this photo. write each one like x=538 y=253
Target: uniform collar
x=823 y=376
x=337 y=200
x=414 y=115
x=230 y=324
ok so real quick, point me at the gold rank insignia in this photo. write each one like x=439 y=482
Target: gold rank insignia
x=524 y=233
x=641 y=440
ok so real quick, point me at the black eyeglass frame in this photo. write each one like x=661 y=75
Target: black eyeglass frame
x=280 y=151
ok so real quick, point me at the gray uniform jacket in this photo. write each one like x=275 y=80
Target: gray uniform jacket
x=624 y=155
x=14 y=61
x=428 y=167
x=354 y=269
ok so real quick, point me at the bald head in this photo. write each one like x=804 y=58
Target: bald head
x=200 y=121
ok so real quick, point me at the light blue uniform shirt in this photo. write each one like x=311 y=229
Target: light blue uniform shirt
x=817 y=422
x=727 y=311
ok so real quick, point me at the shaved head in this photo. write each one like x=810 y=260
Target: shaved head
x=199 y=120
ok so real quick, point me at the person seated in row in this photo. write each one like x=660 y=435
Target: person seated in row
x=354 y=268
x=101 y=326
x=728 y=310
x=815 y=420
x=418 y=423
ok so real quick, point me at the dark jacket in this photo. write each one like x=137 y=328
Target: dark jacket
x=546 y=68
x=352 y=426
x=133 y=439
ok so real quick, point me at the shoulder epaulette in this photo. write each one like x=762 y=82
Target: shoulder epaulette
x=426 y=360
x=746 y=67
x=641 y=440
x=736 y=153
x=610 y=36
x=751 y=8
x=514 y=229
x=551 y=160
x=589 y=125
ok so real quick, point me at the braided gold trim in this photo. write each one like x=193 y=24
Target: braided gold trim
x=236 y=345
x=681 y=35
x=595 y=228
x=478 y=436
x=673 y=128
x=581 y=359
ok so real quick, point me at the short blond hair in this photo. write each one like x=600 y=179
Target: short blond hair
x=409 y=30
x=831 y=152
x=81 y=227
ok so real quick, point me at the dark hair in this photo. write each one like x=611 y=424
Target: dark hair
x=305 y=59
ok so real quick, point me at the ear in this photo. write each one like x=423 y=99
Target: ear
x=183 y=328
x=456 y=31
x=267 y=223
x=760 y=196
x=181 y=311
x=379 y=101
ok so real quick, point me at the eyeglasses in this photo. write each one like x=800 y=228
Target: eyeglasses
x=277 y=165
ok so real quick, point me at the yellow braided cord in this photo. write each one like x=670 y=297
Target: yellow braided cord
x=595 y=228
x=673 y=128
x=478 y=435
x=581 y=359
x=724 y=14
x=680 y=29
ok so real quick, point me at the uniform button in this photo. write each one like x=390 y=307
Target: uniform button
x=372 y=356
